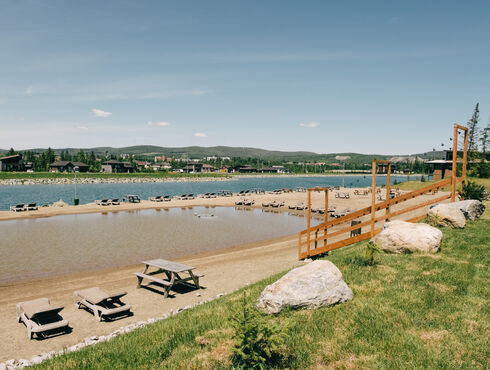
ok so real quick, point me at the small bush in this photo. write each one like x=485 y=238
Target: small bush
x=259 y=341
x=471 y=190
x=371 y=251
x=422 y=179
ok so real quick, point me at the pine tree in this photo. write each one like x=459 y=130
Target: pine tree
x=484 y=138
x=473 y=130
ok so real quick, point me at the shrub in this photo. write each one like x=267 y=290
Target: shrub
x=471 y=190
x=371 y=250
x=422 y=179
x=259 y=341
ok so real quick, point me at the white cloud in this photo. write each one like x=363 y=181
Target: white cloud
x=311 y=124
x=82 y=127
x=29 y=90
x=200 y=134
x=159 y=124
x=101 y=113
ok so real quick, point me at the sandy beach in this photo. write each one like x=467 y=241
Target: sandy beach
x=255 y=261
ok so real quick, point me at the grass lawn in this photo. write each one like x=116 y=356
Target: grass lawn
x=409 y=311
x=415 y=185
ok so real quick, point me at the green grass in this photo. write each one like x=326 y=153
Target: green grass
x=409 y=311
x=415 y=185
x=99 y=175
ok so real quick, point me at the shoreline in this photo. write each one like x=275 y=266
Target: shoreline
x=62 y=180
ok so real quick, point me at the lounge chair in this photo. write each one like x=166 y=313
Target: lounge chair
x=100 y=303
x=103 y=202
x=115 y=202
x=190 y=196
x=158 y=198
x=240 y=202
x=166 y=198
x=266 y=204
x=39 y=317
x=249 y=202
x=18 y=208
x=32 y=207
x=181 y=197
x=275 y=204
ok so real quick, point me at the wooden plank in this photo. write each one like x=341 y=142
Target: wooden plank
x=453 y=170
x=373 y=195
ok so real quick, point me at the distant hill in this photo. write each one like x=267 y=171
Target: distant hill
x=222 y=151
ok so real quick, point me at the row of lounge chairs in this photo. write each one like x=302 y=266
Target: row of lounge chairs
x=24 y=207
x=273 y=204
x=299 y=207
x=42 y=318
x=185 y=196
x=245 y=202
x=160 y=198
x=108 y=202
x=342 y=195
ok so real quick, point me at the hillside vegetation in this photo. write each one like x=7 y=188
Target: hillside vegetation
x=409 y=311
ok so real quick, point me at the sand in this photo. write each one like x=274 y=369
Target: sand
x=255 y=261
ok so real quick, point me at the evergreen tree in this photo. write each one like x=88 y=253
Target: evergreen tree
x=11 y=151
x=484 y=138
x=473 y=130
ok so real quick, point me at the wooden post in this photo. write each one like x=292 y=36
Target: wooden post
x=325 y=217
x=455 y=156
x=388 y=184
x=373 y=197
x=465 y=154
x=308 y=223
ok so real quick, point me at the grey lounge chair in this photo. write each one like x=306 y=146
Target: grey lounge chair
x=100 y=302
x=32 y=207
x=115 y=201
x=103 y=202
x=158 y=198
x=39 y=316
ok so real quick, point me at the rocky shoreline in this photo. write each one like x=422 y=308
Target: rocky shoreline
x=108 y=180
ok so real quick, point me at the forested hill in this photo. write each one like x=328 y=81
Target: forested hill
x=220 y=151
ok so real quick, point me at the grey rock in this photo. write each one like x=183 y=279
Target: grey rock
x=446 y=215
x=471 y=208
x=3 y=366
x=407 y=237
x=36 y=360
x=315 y=284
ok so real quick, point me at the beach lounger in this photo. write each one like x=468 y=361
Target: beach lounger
x=240 y=202
x=32 y=207
x=275 y=204
x=181 y=197
x=167 y=198
x=266 y=204
x=40 y=317
x=158 y=198
x=249 y=202
x=190 y=196
x=115 y=202
x=100 y=303
x=18 y=208
x=103 y=202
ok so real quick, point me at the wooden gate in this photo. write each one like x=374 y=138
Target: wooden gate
x=331 y=234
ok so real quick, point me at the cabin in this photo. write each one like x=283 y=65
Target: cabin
x=68 y=166
x=245 y=169
x=162 y=166
x=12 y=163
x=274 y=169
x=114 y=166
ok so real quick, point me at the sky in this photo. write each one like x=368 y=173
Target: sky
x=387 y=77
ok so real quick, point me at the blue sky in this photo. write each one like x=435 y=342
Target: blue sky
x=386 y=77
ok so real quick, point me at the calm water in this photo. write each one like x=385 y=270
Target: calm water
x=43 y=194
x=64 y=244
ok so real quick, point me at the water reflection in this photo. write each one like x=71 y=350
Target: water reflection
x=64 y=244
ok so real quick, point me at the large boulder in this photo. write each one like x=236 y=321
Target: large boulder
x=407 y=237
x=316 y=284
x=446 y=215
x=472 y=209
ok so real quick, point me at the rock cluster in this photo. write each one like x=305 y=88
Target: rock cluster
x=316 y=284
x=106 y=180
x=407 y=237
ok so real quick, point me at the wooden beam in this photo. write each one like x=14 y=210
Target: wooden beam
x=453 y=172
x=373 y=196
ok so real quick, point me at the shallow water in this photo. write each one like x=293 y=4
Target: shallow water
x=65 y=244
x=43 y=194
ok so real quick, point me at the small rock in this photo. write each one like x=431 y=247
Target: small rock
x=220 y=295
x=307 y=260
x=36 y=360
x=198 y=294
x=3 y=366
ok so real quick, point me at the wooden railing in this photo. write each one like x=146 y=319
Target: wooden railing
x=318 y=239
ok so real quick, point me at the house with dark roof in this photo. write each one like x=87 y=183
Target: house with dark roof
x=114 y=166
x=12 y=163
x=68 y=166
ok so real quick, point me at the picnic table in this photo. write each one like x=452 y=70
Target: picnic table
x=172 y=274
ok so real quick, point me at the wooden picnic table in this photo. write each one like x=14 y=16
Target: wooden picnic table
x=172 y=274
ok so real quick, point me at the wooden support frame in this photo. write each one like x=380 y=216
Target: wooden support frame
x=321 y=244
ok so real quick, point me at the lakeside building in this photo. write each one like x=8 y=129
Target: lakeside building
x=245 y=169
x=199 y=168
x=12 y=163
x=114 y=166
x=68 y=166
x=274 y=169
x=161 y=166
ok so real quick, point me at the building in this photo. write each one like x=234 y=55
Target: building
x=162 y=166
x=199 y=167
x=114 y=166
x=245 y=169
x=12 y=163
x=274 y=169
x=68 y=166
x=141 y=165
